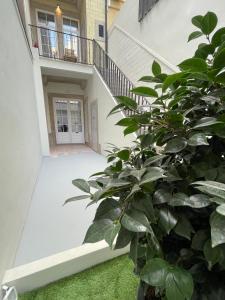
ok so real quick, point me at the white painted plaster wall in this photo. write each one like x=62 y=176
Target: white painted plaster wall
x=64 y=88
x=107 y=131
x=20 y=142
x=164 y=31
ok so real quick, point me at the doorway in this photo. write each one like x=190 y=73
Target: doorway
x=47 y=36
x=69 y=121
x=70 y=39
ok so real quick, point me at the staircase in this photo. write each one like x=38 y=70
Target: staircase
x=115 y=79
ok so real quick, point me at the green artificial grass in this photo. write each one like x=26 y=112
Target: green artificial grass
x=113 y=280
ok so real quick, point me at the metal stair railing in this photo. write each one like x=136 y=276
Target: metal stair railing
x=115 y=79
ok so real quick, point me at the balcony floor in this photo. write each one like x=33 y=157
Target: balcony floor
x=51 y=227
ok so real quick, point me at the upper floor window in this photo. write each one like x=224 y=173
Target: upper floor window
x=99 y=31
x=144 y=7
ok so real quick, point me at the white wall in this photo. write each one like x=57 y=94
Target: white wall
x=164 y=31
x=64 y=88
x=107 y=131
x=20 y=143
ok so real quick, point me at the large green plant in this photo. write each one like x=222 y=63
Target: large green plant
x=166 y=195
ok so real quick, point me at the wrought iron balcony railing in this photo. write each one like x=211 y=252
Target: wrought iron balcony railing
x=61 y=45
x=115 y=79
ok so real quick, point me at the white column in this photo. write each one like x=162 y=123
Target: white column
x=40 y=105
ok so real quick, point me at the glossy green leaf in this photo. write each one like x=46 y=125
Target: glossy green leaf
x=195 y=201
x=126 y=101
x=108 y=209
x=154 y=159
x=193 y=65
x=162 y=196
x=155 y=272
x=145 y=91
x=176 y=145
x=131 y=129
x=76 y=198
x=205 y=122
x=117 y=183
x=135 y=221
x=115 y=109
x=198 y=139
x=133 y=191
x=150 y=79
x=217 y=37
x=219 y=60
x=111 y=233
x=126 y=122
x=96 y=231
x=124 y=154
x=197 y=21
x=212 y=255
x=152 y=174
x=184 y=227
x=211 y=187
x=82 y=185
x=124 y=237
x=167 y=220
x=138 y=173
x=156 y=69
x=221 y=209
x=217 y=223
x=199 y=239
x=220 y=78
x=194 y=35
x=171 y=79
x=179 y=285
x=209 y=23
x=144 y=204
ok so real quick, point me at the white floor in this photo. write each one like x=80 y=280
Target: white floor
x=52 y=227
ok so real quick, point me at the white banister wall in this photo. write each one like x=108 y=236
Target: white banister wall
x=20 y=153
x=162 y=34
x=98 y=91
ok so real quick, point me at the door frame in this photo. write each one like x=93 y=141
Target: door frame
x=54 y=99
x=37 y=10
x=94 y=104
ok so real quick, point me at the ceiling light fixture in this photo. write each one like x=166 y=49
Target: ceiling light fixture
x=58 y=10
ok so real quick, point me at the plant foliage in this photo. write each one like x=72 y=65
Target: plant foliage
x=165 y=196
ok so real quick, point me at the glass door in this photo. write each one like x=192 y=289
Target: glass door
x=69 y=125
x=62 y=122
x=70 y=39
x=47 y=36
x=77 y=128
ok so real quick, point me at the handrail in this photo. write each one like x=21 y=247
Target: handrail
x=70 y=34
x=116 y=80
x=61 y=45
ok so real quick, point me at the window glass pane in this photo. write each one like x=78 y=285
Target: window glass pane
x=70 y=28
x=76 y=121
x=101 y=30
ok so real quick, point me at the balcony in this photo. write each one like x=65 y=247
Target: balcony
x=61 y=45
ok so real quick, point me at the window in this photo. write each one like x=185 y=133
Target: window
x=144 y=7
x=70 y=40
x=101 y=31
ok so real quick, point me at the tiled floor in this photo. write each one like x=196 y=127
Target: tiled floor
x=68 y=149
x=52 y=227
